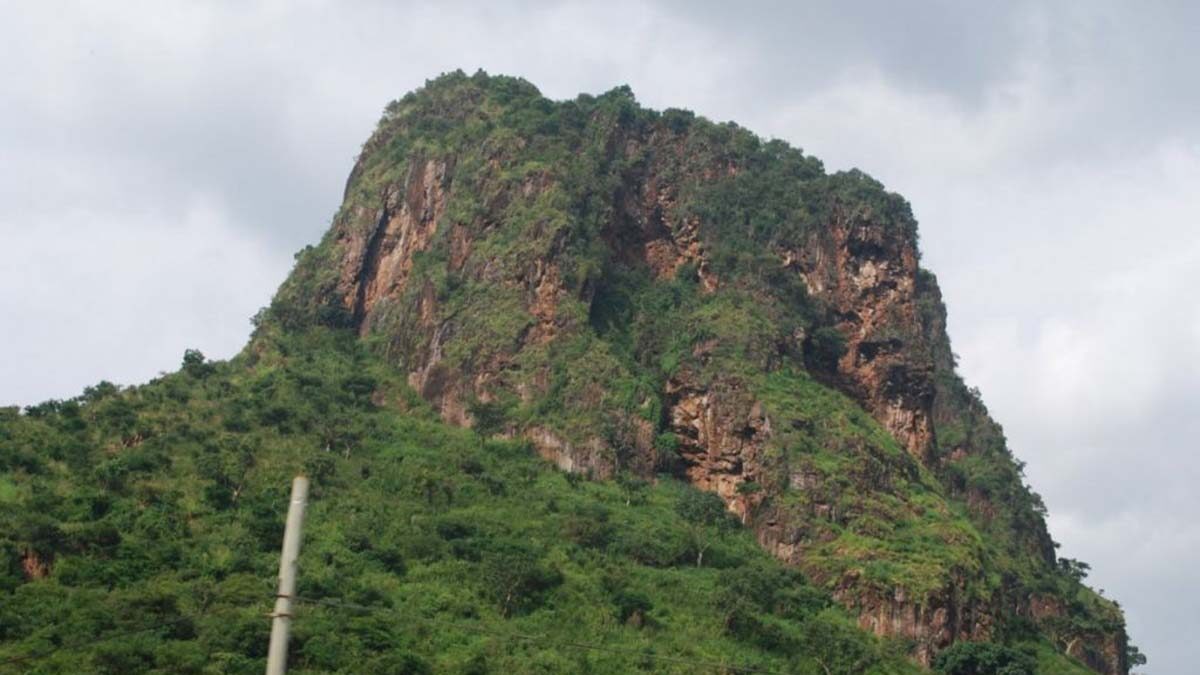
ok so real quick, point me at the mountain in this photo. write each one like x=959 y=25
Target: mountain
x=582 y=387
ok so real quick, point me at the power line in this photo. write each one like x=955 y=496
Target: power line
x=545 y=639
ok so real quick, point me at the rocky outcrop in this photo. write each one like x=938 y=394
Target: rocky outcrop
x=865 y=274
x=376 y=261
x=33 y=565
x=722 y=432
x=1103 y=654
x=587 y=458
x=532 y=240
x=932 y=623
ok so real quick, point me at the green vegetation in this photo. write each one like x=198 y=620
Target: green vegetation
x=159 y=509
x=984 y=658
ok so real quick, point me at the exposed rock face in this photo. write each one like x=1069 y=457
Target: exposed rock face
x=866 y=275
x=586 y=458
x=33 y=565
x=469 y=268
x=1107 y=655
x=722 y=431
x=933 y=623
x=377 y=261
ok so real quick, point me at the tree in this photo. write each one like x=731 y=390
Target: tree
x=825 y=348
x=490 y=417
x=516 y=578
x=320 y=467
x=588 y=526
x=433 y=486
x=836 y=645
x=703 y=512
x=1075 y=569
x=227 y=464
x=633 y=488
x=984 y=658
x=1134 y=656
x=100 y=390
x=666 y=451
x=196 y=365
x=1066 y=631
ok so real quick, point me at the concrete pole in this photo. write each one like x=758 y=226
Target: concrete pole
x=282 y=616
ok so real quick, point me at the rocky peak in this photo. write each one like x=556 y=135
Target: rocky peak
x=652 y=292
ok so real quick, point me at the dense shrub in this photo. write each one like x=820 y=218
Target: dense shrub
x=984 y=658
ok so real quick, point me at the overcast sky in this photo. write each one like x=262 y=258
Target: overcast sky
x=160 y=162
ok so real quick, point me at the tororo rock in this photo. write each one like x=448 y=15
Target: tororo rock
x=469 y=260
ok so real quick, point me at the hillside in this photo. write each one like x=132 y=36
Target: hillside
x=583 y=387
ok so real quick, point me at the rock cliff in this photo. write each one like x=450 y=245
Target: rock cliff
x=646 y=292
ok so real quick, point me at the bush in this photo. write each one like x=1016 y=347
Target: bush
x=588 y=527
x=837 y=645
x=653 y=544
x=490 y=418
x=632 y=606
x=824 y=348
x=195 y=365
x=702 y=508
x=398 y=662
x=770 y=589
x=516 y=579
x=705 y=515
x=984 y=658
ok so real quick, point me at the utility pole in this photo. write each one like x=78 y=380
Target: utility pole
x=281 y=618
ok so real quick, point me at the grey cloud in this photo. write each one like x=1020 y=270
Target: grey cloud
x=960 y=47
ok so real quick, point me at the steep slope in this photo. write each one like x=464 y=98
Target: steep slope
x=649 y=300
x=646 y=292
x=139 y=532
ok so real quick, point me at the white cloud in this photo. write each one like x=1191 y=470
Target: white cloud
x=119 y=295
